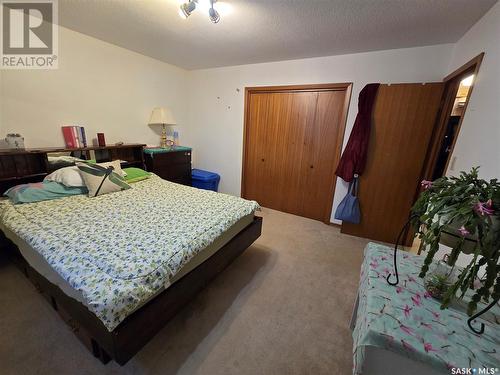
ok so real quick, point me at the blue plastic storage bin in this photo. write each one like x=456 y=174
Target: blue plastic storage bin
x=205 y=180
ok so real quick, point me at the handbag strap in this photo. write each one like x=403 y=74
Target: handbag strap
x=353 y=186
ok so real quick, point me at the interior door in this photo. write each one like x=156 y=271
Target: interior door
x=403 y=121
x=292 y=144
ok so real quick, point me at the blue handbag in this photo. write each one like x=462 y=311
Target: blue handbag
x=348 y=209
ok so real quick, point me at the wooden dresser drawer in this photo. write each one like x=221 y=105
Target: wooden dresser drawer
x=173 y=166
x=174 y=171
x=170 y=158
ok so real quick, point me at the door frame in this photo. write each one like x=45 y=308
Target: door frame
x=452 y=82
x=346 y=86
x=447 y=101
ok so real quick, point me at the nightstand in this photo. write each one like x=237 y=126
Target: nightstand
x=172 y=164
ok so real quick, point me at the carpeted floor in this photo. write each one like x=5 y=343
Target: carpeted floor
x=283 y=307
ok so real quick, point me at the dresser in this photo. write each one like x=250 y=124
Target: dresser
x=172 y=164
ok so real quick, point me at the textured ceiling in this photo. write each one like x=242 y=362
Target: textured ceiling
x=270 y=30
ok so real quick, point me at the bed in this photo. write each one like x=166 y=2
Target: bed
x=117 y=267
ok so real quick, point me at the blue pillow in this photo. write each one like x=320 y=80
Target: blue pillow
x=42 y=191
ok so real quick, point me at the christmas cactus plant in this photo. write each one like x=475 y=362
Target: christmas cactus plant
x=469 y=208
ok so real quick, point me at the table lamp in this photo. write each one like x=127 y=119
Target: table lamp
x=163 y=117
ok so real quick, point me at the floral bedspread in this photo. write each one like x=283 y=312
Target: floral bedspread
x=405 y=319
x=122 y=248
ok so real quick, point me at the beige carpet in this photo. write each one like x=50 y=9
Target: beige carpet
x=283 y=307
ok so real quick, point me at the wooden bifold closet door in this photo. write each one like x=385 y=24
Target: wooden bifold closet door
x=293 y=138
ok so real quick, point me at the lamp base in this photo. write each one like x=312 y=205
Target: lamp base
x=163 y=137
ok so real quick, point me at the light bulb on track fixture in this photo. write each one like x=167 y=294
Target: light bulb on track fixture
x=206 y=5
x=213 y=14
x=187 y=8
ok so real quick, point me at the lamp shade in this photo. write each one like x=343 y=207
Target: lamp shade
x=161 y=116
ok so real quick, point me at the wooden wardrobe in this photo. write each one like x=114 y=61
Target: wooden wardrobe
x=292 y=142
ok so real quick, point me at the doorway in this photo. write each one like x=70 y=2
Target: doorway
x=457 y=92
x=414 y=130
x=292 y=141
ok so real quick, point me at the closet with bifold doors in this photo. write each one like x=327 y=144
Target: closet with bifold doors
x=292 y=142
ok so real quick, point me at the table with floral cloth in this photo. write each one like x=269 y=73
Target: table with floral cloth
x=406 y=320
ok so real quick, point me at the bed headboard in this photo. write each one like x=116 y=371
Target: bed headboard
x=32 y=165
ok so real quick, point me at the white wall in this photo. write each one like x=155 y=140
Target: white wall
x=215 y=114
x=110 y=89
x=98 y=85
x=479 y=139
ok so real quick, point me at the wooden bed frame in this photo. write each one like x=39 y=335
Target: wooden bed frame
x=137 y=329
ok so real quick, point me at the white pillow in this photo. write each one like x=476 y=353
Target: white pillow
x=117 y=168
x=101 y=180
x=68 y=176
x=71 y=176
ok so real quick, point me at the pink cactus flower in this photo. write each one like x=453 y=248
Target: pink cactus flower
x=484 y=208
x=426 y=184
x=463 y=231
x=427 y=295
x=399 y=289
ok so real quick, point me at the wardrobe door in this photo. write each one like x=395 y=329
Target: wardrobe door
x=403 y=121
x=322 y=145
x=292 y=145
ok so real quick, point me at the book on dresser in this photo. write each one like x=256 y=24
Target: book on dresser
x=171 y=163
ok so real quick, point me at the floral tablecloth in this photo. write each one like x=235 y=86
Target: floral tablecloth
x=405 y=319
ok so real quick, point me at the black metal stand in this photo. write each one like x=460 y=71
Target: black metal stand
x=396 y=274
x=480 y=331
x=401 y=234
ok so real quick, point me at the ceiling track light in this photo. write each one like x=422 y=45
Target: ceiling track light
x=212 y=13
x=188 y=7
